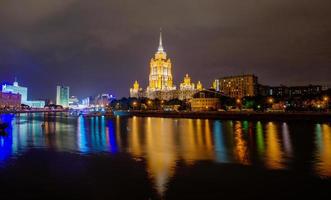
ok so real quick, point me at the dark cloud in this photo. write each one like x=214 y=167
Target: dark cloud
x=101 y=46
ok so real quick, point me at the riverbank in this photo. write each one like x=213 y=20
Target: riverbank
x=278 y=116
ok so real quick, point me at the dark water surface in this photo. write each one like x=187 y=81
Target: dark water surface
x=45 y=156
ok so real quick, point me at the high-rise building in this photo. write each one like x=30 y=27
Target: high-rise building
x=161 y=84
x=23 y=91
x=62 y=96
x=160 y=76
x=239 y=86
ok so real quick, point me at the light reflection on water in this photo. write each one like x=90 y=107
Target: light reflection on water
x=163 y=142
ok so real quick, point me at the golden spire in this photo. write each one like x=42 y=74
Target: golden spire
x=160 y=49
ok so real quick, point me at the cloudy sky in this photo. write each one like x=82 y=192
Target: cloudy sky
x=104 y=45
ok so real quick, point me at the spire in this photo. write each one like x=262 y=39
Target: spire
x=15 y=82
x=160 y=49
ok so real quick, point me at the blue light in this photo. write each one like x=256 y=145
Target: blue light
x=112 y=137
x=6 y=141
x=220 y=150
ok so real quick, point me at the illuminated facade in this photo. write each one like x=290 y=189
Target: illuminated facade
x=199 y=86
x=23 y=91
x=10 y=100
x=239 y=86
x=161 y=84
x=205 y=100
x=187 y=88
x=160 y=76
x=136 y=91
x=62 y=96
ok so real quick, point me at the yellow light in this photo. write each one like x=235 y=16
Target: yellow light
x=326 y=98
x=134 y=103
x=271 y=100
x=149 y=102
x=238 y=101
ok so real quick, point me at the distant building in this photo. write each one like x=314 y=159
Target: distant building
x=199 y=86
x=87 y=101
x=10 y=100
x=62 y=96
x=283 y=91
x=239 y=86
x=187 y=88
x=23 y=91
x=216 y=85
x=136 y=91
x=16 y=89
x=73 y=101
x=102 y=99
x=205 y=100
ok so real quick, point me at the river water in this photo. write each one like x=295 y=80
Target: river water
x=173 y=155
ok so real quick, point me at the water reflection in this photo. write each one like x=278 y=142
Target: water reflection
x=164 y=142
x=274 y=157
x=323 y=153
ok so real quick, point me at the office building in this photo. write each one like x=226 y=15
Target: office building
x=239 y=86
x=62 y=96
x=23 y=91
x=10 y=100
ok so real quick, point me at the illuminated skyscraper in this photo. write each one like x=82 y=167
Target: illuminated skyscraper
x=62 y=96
x=160 y=76
x=161 y=84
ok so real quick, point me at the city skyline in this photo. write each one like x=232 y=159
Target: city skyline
x=281 y=42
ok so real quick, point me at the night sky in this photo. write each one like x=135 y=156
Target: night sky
x=103 y=46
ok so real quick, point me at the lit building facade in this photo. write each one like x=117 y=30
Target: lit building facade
x=239 y=86
x=283 y=91
x=205 y=100
x=160 y=76
x=10 y=100
x=187 y=88
x=62 y=96
x=161 y=84
x=136 y=91
x=16 y=89
x=23 y=91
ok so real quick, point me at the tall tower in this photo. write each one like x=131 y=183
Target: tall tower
x=62 y=96
x=160 y=76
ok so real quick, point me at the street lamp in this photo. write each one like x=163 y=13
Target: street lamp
x=134 y=104
x=270 y=100
x=326 y=98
